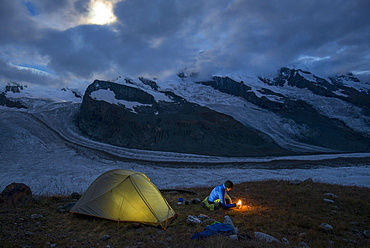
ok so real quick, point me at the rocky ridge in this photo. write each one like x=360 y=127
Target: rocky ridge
x=295 y=112
x=321 y=130
x=172 y=123
x=168 y=124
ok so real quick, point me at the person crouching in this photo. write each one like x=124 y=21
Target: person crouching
x=219 y=197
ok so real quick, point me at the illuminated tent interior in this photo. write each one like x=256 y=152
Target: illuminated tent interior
x=124 y=195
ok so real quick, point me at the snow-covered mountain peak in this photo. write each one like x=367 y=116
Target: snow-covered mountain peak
x=298 y=110
x=18 y=91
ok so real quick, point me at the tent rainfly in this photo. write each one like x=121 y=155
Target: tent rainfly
x=124 y=195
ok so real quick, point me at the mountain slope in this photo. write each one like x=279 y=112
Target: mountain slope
x=126 y=116
x=317 y=128
x=294 y=112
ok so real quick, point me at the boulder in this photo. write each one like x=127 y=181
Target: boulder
x=66 y=207
x=9 y=103
x=15 y=194
x=326 y=227
x=295 y=182
x=331 y=195
x=75 y=196
x=308 y=180
x=105 y=237
x=36 y=216
x=267 y=238
x=328 y=201
x=366 y=233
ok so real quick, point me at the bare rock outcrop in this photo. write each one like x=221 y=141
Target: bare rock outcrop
x=15 y=194
x=137 y=119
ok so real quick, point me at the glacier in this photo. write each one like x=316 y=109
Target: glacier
x=42 y=147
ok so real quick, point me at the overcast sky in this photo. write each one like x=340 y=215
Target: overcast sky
x=59 y=42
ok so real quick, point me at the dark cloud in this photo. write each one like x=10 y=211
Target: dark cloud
x=157 y=18
x=15 y=23
x=80 y=51
x=152 y=38
x=60 y=6
x=272 y=34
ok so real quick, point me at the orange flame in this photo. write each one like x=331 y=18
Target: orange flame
x=239 y=204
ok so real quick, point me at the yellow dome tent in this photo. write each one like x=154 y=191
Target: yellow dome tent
x=124 y=195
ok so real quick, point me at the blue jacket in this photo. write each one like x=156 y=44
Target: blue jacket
x=219 y=192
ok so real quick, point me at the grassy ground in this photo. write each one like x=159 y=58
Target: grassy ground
x=277 y=208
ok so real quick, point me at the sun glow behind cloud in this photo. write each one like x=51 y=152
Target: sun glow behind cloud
x=59 y=34
x=101 y=12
